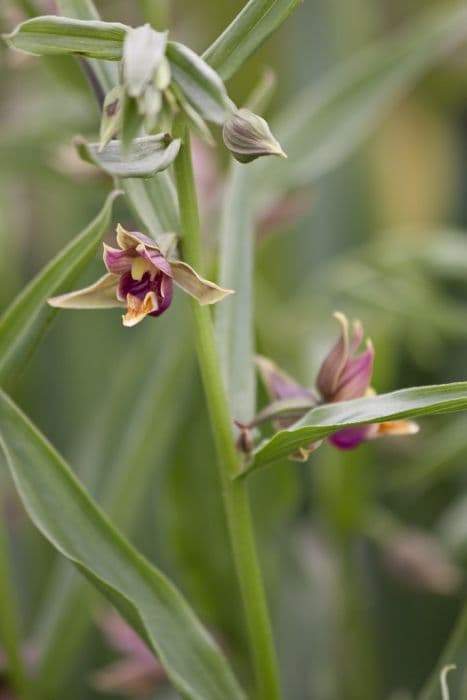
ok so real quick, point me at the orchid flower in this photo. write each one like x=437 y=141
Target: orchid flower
x=345 y=374
x=141 y=278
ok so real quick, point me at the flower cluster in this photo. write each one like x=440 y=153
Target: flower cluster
x=140 y=278
x=345 y=374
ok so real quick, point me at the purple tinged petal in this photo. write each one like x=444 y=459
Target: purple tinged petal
x=131 y=239
x=116 y=261
x=356 y=377
x=348 y=438
x=334 y=363
x=156 y=258
x=278 y=383
x=357 y=337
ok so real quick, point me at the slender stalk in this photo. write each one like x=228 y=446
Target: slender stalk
x=235 y=493
x=454 y=649
x=9 y=623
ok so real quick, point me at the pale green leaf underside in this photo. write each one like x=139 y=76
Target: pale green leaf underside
x=250 y=28
x=236 y=349
x=26 y=319
x=325 y=420
x=199 y=83
x=147 y=156
x=55 y=35
x=73 y=523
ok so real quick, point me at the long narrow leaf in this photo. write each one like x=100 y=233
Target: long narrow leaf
x=28 y=317
x=52 y=35
x=234 y=322
x=325 y=420
x=105 y=71
x=154 y=202
x=70 y=520
x=250 y=28
x=199 y=83
x=133 y=469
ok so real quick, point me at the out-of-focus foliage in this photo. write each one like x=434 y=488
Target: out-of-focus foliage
x=380 y=236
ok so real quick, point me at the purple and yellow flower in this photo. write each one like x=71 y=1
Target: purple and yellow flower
x=345 y=374
x=141 y=278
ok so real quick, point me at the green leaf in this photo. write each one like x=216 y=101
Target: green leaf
x=55 y=35
x=112 y=112
x=70 y=520
x=147 y=156
x=236 y=349
x=154 y=202
x=143 y=51
x=106 y=73
x=200 y=84
x=28 y=317
x=320 y=127
x=325 y=420
x=128 y=472
x=250 y=28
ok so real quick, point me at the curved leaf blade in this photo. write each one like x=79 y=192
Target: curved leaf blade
x=54 y=35
x=27 y=318
x=250 y=28
x=66 y=515
x=325 y=420
x=147 y=156
x=199 y=83
x=236 y=349
x=154 y=202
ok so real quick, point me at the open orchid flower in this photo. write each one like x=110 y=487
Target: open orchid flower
x=345 y=374
x=141 y=278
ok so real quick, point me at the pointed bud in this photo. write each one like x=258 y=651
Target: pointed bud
x=248 y=136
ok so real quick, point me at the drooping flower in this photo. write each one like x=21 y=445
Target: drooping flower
x=140 y=278
x=345 y=374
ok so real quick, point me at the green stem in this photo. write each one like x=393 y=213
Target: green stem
x=9 y=622
x=235 y=493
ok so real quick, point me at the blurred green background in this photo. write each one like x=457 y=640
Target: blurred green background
x=381 y=237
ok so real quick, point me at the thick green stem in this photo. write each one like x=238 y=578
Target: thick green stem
x=9 y=623
x=235 y=493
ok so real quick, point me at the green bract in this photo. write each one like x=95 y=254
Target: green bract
x=147 y=156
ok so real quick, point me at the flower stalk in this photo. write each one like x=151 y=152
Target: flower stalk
x=235 y=492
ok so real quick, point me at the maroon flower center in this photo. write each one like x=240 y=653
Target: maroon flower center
x=158 y=282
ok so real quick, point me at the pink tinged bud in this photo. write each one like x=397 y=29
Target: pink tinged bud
x=141 y=278
x=248 y=136
x=342 y=376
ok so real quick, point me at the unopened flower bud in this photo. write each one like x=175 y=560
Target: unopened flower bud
x=248 y=136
